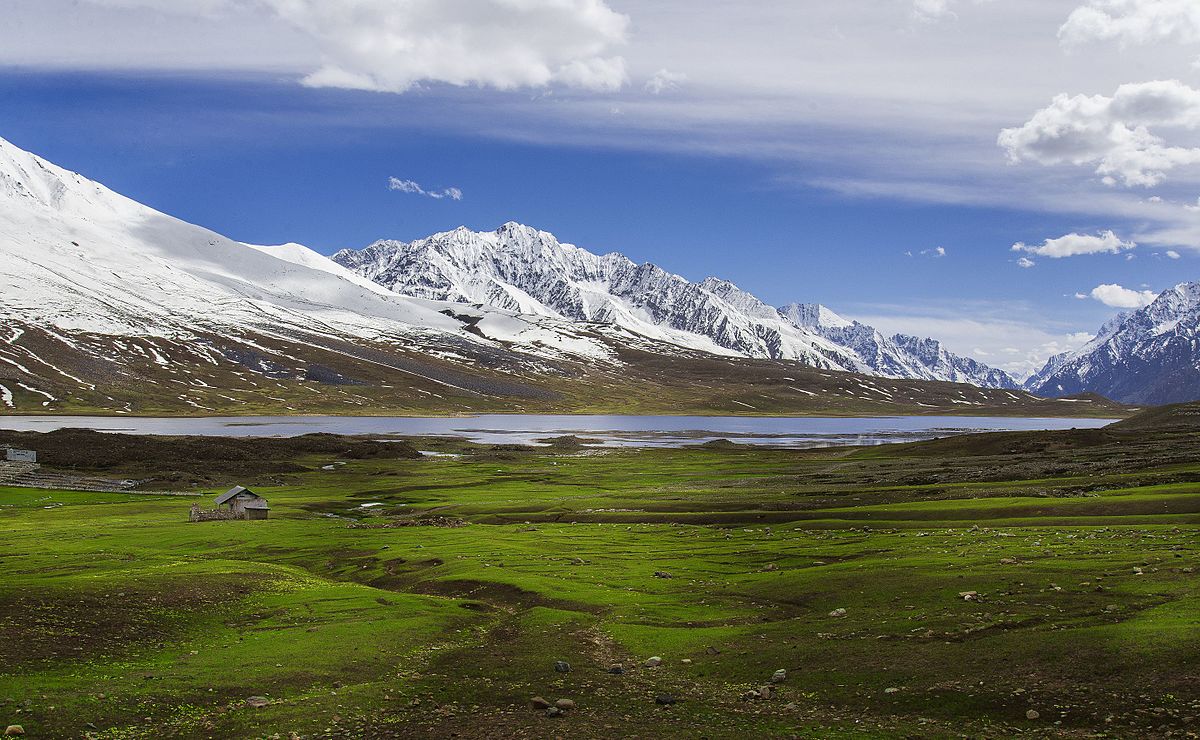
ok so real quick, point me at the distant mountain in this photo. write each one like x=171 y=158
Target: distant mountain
x=523 y=269
x=1148 y=356
x=897 y=356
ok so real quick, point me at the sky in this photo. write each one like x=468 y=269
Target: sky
x=1003 y=175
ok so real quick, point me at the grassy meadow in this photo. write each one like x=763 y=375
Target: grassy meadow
x=1001 y=585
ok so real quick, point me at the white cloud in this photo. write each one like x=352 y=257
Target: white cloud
x=932 y=10
x=391 y=46
x=1073 y=245
x=1025 y=263
x=1173 y=254
x=1132 y=22
x=1111 y=132
x=663 y=81
x=410 y=186
x=934 y=252
x=1118 y=297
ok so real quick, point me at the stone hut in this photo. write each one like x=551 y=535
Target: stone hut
x=244 y=503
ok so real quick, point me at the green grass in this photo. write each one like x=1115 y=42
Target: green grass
x=120 y=619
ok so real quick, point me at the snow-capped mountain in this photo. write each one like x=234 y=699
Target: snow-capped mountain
x=102 y=281
x=1148 y=356
x=897 y=356
x=107 y=305
x=521 y=268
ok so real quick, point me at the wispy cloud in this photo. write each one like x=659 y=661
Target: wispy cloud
x=414 y=188
x=663 y=81
x=1072 y=245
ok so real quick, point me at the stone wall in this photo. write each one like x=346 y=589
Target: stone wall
x=214 y=515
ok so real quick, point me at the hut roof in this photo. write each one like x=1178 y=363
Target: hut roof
x=232 y=492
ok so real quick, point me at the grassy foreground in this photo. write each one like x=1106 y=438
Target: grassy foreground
x=122 y=620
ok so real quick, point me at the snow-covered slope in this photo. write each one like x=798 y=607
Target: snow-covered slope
x=1148 y=356
x=520 y=268
x=78 y=257
x=897 y=356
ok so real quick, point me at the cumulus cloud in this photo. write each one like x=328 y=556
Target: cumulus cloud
x=391 y=46
x=1116 y=296
x=1025 y=263
x=1173 y=254
x=1130 y=22
x=410 y=186
x=663 y=81
x=1072 y=245
x=1111 y=133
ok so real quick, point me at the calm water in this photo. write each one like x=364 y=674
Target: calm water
x=643 y=431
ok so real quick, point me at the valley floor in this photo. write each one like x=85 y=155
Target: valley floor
x=1036 y=584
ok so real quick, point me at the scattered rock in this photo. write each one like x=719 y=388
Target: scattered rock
x=654 y=662
x=664 y=700
x=839 y=612
x=891 y=690
x=617 y=670
x=779 y=676
x=554 y=712
x=969 y=595
x=14 y=731
x=562 y=666
x=257 y=702
x=686 y=661
x=662 y=574
x=565 y=705
x=1032 y=714
x=764 y=692
x=539 y=704
x=770 y=568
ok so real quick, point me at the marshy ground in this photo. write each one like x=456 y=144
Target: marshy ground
x=988 y=586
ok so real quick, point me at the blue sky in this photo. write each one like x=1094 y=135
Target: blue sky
x=800 y=178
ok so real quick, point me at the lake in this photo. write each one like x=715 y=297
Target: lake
x=622 y=431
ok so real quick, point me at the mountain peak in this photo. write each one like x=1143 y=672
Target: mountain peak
x=1147 y=356
x=520 y=268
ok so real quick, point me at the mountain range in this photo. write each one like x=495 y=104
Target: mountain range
x=519 y=268
x=108 y=306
